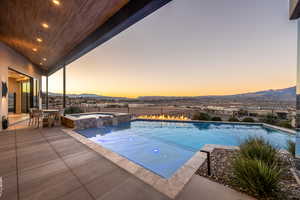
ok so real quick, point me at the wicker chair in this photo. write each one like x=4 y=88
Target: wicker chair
x=48 y=119
x=35 y=117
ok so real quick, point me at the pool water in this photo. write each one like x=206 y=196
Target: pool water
x=163 y=147
x=96 y=115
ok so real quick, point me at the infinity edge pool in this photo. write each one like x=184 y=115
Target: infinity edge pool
x=169 y=186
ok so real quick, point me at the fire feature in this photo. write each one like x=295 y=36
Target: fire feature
x=164 y=117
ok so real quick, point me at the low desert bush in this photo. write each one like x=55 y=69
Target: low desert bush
x=248 y=119
x=256 y=148
x=216 y=119
x=73 y=110
x=256 y=176
x=256 y=167
x=285 y=124
x=269 y=119
x=233 y=119
x=201 y=116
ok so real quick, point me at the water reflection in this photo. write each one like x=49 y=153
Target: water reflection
x=93 y=132
x=202 y=126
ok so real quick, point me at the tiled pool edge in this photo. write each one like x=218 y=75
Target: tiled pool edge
x=170 y=187
x=290 y=131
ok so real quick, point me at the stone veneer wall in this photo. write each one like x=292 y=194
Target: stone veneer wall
x=96 y=122
x=86 y=123
x=124 y=118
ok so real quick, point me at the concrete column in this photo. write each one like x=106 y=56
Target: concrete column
x=64 y=86
x=298 y=101
x=3 y=100
x=47 y=100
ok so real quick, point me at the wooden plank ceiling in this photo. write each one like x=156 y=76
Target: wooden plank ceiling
x=69 y=22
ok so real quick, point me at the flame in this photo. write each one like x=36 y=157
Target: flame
x=164 y=117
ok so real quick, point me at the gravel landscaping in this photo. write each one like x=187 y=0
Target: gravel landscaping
x=221 y=170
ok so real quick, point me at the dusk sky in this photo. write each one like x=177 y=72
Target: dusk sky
x=193 y=48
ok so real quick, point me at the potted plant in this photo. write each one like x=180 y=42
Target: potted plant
x=4 y=122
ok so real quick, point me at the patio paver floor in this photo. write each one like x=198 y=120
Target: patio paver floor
x=48 y=164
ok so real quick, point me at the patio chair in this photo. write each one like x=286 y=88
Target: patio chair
x=31 y=116
x=35 y=117
x=48 y=119
x=57 y=117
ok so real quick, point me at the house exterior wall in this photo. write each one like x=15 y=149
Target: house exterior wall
x=295 y=15
x=11 y=59
x=298 y=100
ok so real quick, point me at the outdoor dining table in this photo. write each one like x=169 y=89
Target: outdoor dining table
x=50 y=111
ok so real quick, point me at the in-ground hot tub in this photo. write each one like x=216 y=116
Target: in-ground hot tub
x=95 y=119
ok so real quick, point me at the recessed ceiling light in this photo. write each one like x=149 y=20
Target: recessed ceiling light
x=45 y=25
x=44 y=59
x=34 y=49
x=39 y=39
x=56 y=2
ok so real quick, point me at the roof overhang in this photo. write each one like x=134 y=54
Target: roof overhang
x=54 y=33
x=294 y=9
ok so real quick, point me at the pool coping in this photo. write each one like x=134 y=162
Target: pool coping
x=290 y=131
x=171 y=186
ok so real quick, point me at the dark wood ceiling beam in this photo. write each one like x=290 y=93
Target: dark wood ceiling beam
x=131 y=13
x=69 y=24
x=294 y=9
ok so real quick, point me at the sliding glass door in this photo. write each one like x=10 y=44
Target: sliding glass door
x=35 y=93
x=25 y=96
x=12 y=102
x=24 y=92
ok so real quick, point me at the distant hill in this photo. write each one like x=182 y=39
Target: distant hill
x=84 y=95
x=286 y=94
x=76 y=95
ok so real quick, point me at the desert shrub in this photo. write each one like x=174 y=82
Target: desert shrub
x=242 y=112
x=253 y=114
x=256 y=148
x=233 y=119
x=269 y=119
x=201 y=116
x=248 y=119
x=285 y=124
x=291 y=147
x=73 y=110
x=216 y=119
x=256 y=176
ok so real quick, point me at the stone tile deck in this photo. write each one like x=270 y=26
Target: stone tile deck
x=202 y=188
x=48 y=164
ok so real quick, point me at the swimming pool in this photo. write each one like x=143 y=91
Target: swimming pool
x=163 y=147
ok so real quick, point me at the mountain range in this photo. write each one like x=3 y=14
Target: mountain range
x=286 y=94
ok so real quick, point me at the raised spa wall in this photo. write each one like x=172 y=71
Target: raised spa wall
x=95 y=122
